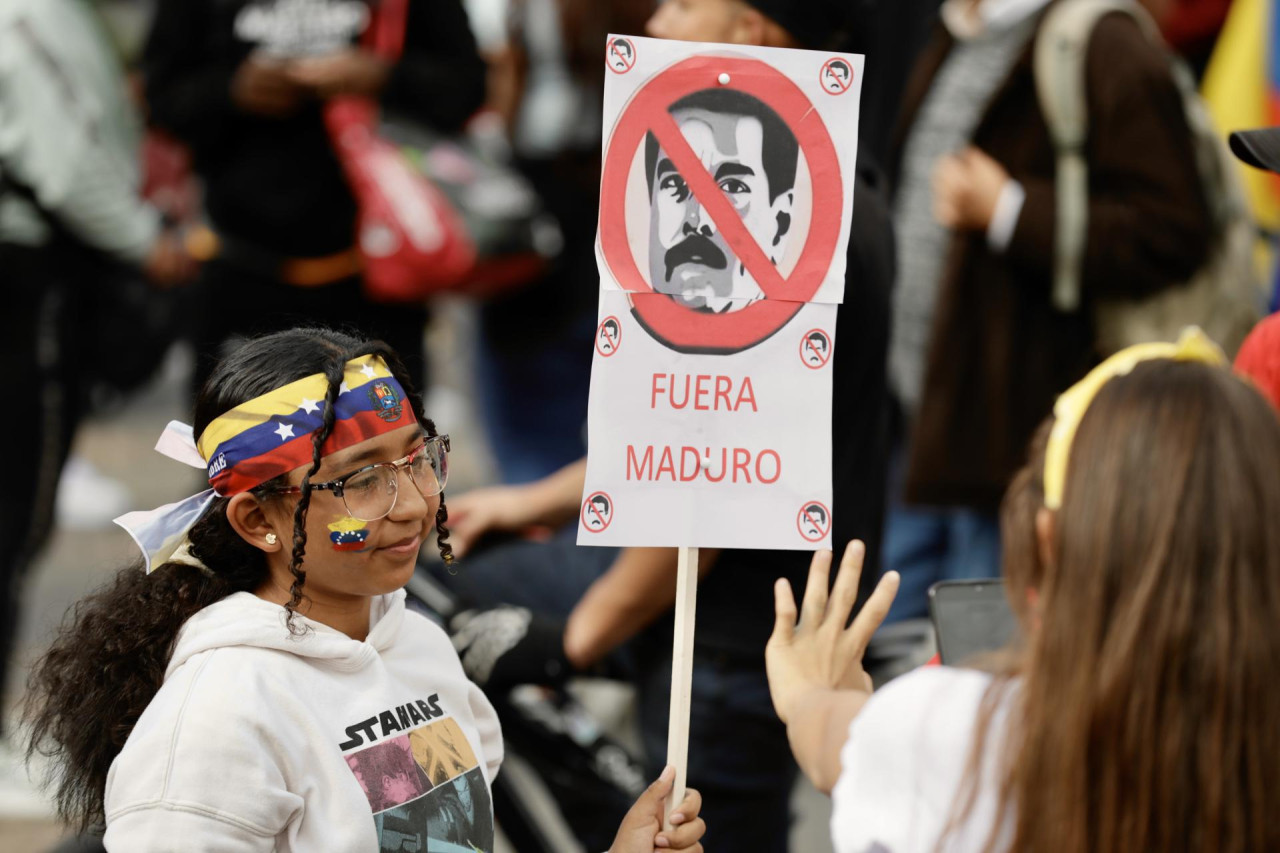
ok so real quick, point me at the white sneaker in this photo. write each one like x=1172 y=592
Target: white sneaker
x=87 y=498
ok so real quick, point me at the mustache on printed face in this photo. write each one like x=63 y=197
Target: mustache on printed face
x=695 y=249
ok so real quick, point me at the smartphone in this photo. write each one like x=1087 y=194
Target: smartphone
x=970 y=617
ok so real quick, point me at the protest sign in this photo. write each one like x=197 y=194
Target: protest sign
x=725 y=202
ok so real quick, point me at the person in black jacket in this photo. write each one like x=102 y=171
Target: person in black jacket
x=243 y=83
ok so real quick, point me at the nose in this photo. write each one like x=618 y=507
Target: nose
x=694 y=225
x=410 y=504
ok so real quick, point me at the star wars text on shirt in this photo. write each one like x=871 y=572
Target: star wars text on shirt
x=392 y=721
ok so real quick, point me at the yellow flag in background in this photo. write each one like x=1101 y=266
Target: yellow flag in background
x=1241 y=93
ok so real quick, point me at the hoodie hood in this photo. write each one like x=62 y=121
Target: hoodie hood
x=244 y=619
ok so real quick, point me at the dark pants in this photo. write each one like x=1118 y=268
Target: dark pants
x=739 y=758
x=236 y=302
x=46 y=405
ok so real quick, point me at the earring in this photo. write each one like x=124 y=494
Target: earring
x=271 y=539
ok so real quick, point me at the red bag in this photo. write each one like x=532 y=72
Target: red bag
x=412 y=240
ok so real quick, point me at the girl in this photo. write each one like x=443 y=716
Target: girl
x=261 y=686
x=1143 y=554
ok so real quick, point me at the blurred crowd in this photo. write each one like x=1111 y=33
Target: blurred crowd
x=174 y=171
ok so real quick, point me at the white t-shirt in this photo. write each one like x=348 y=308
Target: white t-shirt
x=905 y=763
x=264 y=741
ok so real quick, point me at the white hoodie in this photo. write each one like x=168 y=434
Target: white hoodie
x=263 y=741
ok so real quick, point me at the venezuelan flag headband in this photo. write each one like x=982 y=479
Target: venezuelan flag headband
x=1068 y=411
x=263 y=438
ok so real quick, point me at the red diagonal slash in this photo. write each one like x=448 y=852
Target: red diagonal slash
x=815 y=524
x=596 y=513
x=726 y=218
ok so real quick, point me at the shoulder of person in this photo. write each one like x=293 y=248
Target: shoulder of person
x=208 y=748
x=423 y=630
x=929 y=713
x=917 y=696
x=905 y=760
x=1122 y=48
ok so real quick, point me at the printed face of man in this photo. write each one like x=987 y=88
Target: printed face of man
x=814 y=516
x=608 y=335
x=837 y=76
x=600 y=515
x=689 y=258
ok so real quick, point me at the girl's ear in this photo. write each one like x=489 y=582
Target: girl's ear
x=248 y=519
x=1046 y=521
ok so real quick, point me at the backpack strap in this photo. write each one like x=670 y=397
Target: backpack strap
x=1058 y=65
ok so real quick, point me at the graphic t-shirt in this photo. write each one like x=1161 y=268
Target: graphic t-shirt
x=263 y=740
x=424 y=785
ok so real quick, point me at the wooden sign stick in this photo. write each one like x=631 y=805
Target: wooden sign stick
x=681 y=675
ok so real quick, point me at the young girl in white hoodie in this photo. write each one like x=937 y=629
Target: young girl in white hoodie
x=261 y=685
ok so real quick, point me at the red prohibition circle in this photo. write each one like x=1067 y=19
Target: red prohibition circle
x=807 y=348
x=589 y=510
x=600 y=335
x=685 y=329
x=800 y=518
x=610 y=54
x=822 y=76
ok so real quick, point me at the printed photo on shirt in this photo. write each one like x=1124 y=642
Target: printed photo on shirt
x=442 y=751
x=388 y=774
x=456 y=817
x=426 y=790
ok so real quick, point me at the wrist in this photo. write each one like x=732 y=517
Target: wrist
x=799 y=700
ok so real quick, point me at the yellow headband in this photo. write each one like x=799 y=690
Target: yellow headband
x=1193 y=345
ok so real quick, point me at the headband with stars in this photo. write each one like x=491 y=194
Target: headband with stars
x=272 y=434
x=262 y=439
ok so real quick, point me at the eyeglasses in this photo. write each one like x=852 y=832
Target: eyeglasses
x=370 y=492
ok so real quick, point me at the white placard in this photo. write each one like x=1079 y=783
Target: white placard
x=726 y=196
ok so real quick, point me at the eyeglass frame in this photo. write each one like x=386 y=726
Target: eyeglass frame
x=336 y=485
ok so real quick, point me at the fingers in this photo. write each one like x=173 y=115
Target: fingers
x=687 y=828
x=784 y=606
x=871 y=616
x=652 y=797
x=815 y=591
x=689 y=809
x=845 y=591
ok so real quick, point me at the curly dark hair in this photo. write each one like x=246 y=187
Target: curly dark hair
x=113 y=647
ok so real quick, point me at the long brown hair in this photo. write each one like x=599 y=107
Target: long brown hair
x=1147 y=714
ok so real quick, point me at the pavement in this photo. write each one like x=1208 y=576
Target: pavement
x=84 y=552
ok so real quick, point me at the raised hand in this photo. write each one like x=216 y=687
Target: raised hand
x=821 y=653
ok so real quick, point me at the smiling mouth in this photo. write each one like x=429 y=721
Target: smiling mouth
x=408 y=545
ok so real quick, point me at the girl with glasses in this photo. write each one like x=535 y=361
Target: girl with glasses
x=257 y=683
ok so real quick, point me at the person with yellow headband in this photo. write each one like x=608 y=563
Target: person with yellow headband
x=256 y=682
x=1139 y=710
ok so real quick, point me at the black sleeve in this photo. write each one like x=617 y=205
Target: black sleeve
x=188 y=90
x=440 y=79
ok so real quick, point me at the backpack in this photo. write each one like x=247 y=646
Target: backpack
x=1225 y=296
